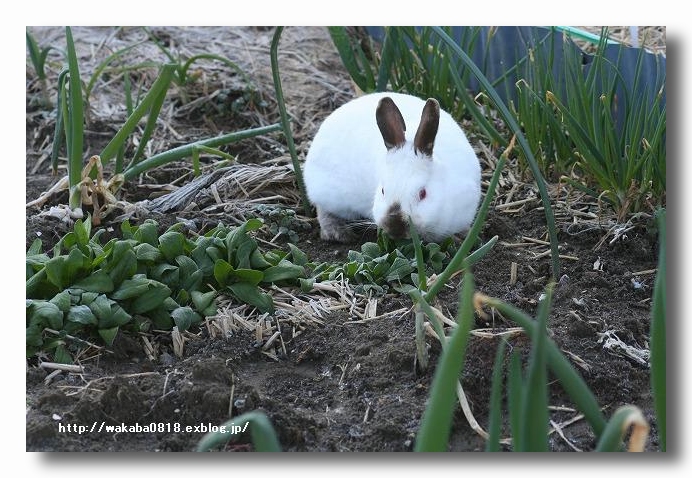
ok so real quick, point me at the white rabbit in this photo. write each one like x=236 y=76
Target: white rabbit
x=365 y=164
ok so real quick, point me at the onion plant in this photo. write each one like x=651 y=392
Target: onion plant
x=622 y=156
x=70 y=117
x=38 y=56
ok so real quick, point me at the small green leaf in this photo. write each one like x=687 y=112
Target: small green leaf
x=243 y=252
x=172 y=245
x=253 y=224
x=272 y=258
x=283 y=271
x=147 y=253
x=399 y=269
x=35 y=248
x=46 y=313
x=166 y=273
x=161 y=318
x=203 y=300
x=123 y=263
x=98 y=281
x=85 y=298
x=34 y=339
x=201 y=257
x=61 y=355
x=215 y=253
x=194 y=281
x=63 y=301
x=249 y=276
x=76 y=265
x=148 y=233
x=222 y=270
x=371 y=250
x=298 y=257
x=131 y=288
x=151 y=299
x=252 y=295
x=306 y=285
x=56 y=271
x=184 y=317
x=81 y=314
x=108 y=335
x=101 y=306
x=405 y=288
x=187 y=265
x=82 y=230
x=355 y=256
x=350 y=268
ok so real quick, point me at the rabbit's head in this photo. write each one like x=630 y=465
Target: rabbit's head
x=407 y=190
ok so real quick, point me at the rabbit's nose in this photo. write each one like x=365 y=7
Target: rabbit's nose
x=395 y=222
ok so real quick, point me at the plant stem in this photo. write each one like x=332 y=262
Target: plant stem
x=285 y=123
x=187 y=149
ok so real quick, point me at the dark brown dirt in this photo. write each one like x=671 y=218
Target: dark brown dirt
x=348 y=386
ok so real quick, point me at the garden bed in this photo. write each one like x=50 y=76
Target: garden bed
x=342 y=376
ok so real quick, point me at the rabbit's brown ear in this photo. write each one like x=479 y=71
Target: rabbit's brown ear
x=427 y=130
x=391 y=123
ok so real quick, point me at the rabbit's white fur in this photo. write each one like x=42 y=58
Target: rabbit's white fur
x=350 y=174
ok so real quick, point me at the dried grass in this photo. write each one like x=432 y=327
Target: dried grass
x=652 y=38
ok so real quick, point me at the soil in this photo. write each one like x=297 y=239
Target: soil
x=341 y=383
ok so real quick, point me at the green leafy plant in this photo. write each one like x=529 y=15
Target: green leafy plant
x=624 y=164
x=541 y=123
x=182 y=70
x=145 y=281
x=436 y=423
x=357 y=61
x=281 y=222
x=38 y=56
x=526 y=395
x=386 y=263
x=85 y=181
x=262 y=433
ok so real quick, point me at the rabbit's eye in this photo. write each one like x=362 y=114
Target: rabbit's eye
x=421 y=194
x=383 y=191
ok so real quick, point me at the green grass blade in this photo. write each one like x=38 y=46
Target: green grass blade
x=343 y=45
x=436 y=423
x=516 y=129
x=420 y=261
x=479 y=253
x=495 y=412
x=428 y=310
x=210 y=56
x=535 y=417
x=515 y=399
x=388 y=58
x=186 y=150
x=58 y=135
x=37 y=58
x=75 y=124
x=153 y=115
x=623 y=419
x=658 y=335
x=458 y=260
x=285 y=123
x=159 y=88
x=129 y=108
x=571 y=381
x=421 y=349
x=172 y=59
x=263 y=434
